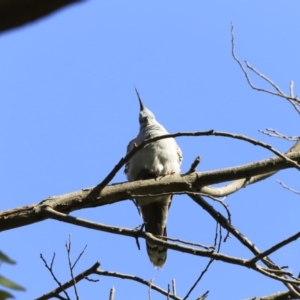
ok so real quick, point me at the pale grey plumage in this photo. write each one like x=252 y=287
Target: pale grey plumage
x=160 y=158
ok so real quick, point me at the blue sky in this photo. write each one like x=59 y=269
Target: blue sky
x=68 y=111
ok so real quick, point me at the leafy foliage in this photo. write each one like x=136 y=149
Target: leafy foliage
x=6 y=282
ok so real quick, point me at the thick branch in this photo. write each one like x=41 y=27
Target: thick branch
x=194 y=251
x=117 y=192
x=277 y=296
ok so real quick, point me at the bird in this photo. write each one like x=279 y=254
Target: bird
x=160 y=158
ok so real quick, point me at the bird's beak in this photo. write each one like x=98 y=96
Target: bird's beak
x=142 y=106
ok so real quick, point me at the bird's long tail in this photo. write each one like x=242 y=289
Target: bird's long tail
x=155 y=216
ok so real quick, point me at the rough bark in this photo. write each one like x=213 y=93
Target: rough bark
x=86 y=198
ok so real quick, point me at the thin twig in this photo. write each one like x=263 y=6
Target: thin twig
x=174 y=287
x=137 y=279
x=68 y=247
x=112 y=294
x=273 y=133
x=276 y=87
x=274 y=248
x=225 y=207
x=189 y=243
x=194 y=165
x=291 y=99
x=292 y=88
x=79 y=256
x=288 y=188
x=219 y=234
x=61 y=287
x=217 y=245
x=198 y=279
x=203 y=297
x=65 y=286
x=149 y=290
x=266 y=260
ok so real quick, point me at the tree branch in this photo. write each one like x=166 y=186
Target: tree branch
x=139 y=280
x=248 y=244
x=277 y=296
x=141 y=234
x=63 y=287
x=275 y=248
x=197 y=252
x=294 y=100
x=30 y=214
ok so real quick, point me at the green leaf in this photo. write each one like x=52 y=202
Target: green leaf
x=10 y=284
x=5 y=295
x=6 y=259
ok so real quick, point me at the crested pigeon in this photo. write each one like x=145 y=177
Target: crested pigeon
x=159 y=158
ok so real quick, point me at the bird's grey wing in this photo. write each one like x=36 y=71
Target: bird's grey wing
x=179 y=152
x=130 y=146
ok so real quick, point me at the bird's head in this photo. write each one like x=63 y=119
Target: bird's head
x=146 y=117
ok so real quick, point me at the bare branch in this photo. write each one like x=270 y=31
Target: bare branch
x=273 y=133
x=30 y=214
x=193 y=251
x=137 y=279
x=240 y=183
x=269 y=273
x=217 y=245
x=286 y=187
x=50 y=268
x=141 y=234
x=242 y=67
x=174 y=287
x=291 y=99
x=194 y=165
x=70 y=283
x=68 y=247
x=97 y=190
x=292 y=88
x=276 y=87
x=277 y=296
x=190 y=243
x=198 y=279
x=275 y=248
x=246 y=242
x=226 y=189
x=112 y=294
x=204 y=296
x=79 y=256
x=149 y=291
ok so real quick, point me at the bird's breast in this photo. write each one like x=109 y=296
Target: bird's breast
x=156 y=159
